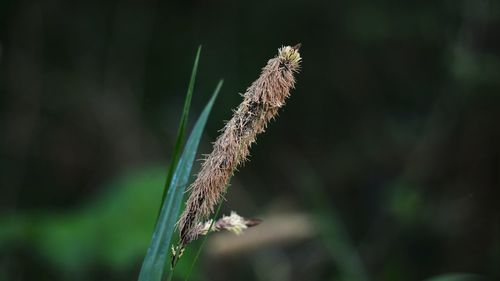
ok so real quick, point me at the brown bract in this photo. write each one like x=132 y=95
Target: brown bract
x=261 y=103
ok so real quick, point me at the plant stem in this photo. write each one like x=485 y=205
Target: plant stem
x=202 y=243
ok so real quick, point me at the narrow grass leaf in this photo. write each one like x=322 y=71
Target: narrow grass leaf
x=157 y=254
x=182 y=127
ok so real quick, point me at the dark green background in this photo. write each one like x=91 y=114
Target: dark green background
x=390 y=143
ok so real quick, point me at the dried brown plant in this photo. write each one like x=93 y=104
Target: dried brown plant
x=261 y=103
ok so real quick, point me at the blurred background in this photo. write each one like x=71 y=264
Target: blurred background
x=384 y=165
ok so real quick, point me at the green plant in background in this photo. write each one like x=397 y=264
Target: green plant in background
x=330 y=226
x=404 y=202
x=112 y=229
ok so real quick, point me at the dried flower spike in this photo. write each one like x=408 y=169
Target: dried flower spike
x=261 y=102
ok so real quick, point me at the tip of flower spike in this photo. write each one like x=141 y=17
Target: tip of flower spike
x=290 y=54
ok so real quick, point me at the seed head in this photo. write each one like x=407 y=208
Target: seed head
x=260 y=104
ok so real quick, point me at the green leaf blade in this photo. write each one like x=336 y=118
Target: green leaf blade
x=182 y=126
x=157 y=254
